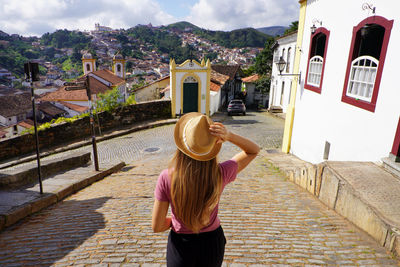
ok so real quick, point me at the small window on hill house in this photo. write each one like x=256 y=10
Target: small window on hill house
x=316 y=60
x=366 y=61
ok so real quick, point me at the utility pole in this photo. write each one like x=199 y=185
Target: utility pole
x=70 y=86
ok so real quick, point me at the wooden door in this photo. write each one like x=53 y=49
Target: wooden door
x=190 y=97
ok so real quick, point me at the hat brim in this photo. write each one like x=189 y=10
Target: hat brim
x=178 y=135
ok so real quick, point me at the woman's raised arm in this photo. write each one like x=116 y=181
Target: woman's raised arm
x=249 y=148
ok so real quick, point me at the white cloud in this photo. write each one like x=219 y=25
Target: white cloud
x=35 y=17
x=235 y=14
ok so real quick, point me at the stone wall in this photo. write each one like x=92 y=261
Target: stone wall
x=65 y=133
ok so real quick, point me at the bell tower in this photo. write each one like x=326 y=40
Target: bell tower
x=119 y=65
x=89 y=63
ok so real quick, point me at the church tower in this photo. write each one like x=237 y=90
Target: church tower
x=89 y=63
x=119 y=65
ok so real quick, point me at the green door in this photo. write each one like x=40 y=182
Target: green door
x=190 y=95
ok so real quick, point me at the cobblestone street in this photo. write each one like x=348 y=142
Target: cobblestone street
x=267 y=219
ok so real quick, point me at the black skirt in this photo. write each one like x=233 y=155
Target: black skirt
x=203 y=249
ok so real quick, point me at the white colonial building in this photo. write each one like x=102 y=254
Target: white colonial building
x=279 y=94
x=347 y=105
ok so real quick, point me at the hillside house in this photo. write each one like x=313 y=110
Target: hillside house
x=346 y=107
x=15 y=106
x=254 y=97
x=152 y=90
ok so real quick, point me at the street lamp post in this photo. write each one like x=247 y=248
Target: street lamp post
x=281 y=66
x=31 y=70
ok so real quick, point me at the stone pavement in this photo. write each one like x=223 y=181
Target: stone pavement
x=267 y=221
x=363 y=192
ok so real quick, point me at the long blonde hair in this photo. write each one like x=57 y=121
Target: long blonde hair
x=195 y=189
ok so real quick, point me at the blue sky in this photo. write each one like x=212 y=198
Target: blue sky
x=177 y=8
x=36 y=17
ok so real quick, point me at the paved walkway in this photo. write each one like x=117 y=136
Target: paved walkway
x=267 y=221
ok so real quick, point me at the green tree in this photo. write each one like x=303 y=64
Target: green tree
x=292 y=27
x=249 y=71
x=263 y=84
x=108 y=101
x=263 y=65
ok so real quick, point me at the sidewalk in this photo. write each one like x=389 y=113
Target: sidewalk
x=16 y=204
x=362 y=192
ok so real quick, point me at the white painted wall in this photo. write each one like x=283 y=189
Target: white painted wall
x=6 y=120
x=215 y=100
x=277 y=98
x=355 y=134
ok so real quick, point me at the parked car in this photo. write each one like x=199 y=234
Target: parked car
x=236 y=106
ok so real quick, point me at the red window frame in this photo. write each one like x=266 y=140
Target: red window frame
x=387 y=24
x=309 y=86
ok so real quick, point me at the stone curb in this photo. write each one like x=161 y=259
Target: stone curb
x=335 y=192
x=116 y=133
x=48 y=199
x=26 y=174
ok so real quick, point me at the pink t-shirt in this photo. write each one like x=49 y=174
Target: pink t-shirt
x=163 y=193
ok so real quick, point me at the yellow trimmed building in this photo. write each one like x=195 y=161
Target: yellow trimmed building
x=190 y=87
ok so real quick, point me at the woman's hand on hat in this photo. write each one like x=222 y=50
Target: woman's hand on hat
x=219 y=130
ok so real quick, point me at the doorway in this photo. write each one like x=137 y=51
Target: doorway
x=190 y=97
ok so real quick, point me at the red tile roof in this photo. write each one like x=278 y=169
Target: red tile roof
x=250 y=79
x=108 y=76
x=219 y=78
x=26 y=123
x=96 y=87
x=229 y=70
x=214 y=87
x=50 y=109
x=15 y=104
x=74 y=107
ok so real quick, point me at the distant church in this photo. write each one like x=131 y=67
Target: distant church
x=101 y=81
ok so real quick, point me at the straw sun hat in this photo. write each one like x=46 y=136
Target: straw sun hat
x=192 y=137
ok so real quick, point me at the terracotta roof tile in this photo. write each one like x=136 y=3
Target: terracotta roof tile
x=26 y=123
x=250 y=79
x=96 y=87
x=15 y=104
x=218 y=77
x=108 y=76
x=214 y=87
x=229 y=70
x=50 y=109
x=61 y=94
x=74 y=107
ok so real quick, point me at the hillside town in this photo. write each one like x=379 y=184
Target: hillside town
x=145 y=72
x=281 y=155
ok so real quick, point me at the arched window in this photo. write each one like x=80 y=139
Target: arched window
x=118 y=67
x=316 y=60
x=88 y=67
x=289 y=51
x=365 y=63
